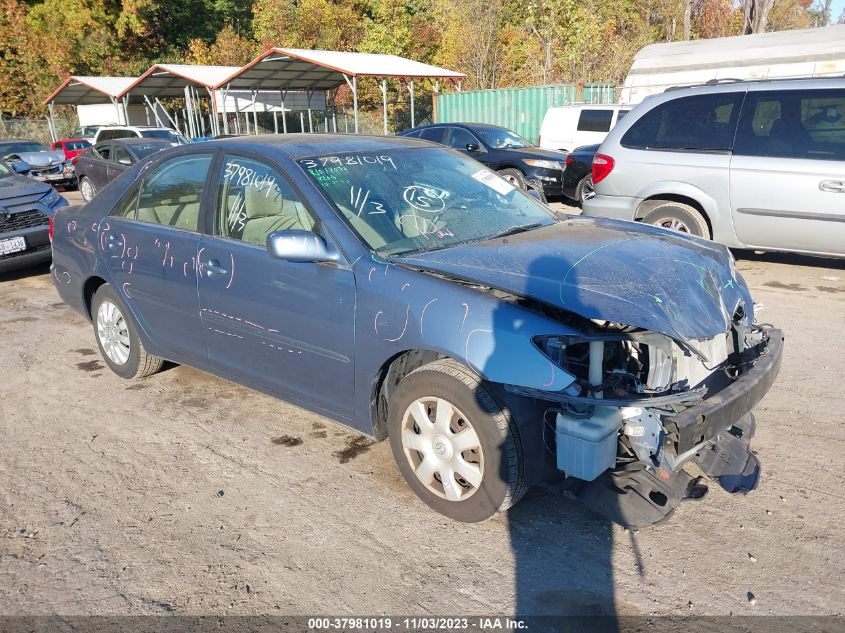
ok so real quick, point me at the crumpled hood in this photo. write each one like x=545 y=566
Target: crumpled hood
x=41 y=159
x=609 y=270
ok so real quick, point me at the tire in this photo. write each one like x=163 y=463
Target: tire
x=86 y=189
x=584 y=190
x=117 y=337
x=513 y=176
x=486 y=479
x=680 y=217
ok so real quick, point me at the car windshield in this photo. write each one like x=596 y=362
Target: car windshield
x=500 y=138
x=422 y=199
x=169 y=135
x=18 y=148
x=145 y=149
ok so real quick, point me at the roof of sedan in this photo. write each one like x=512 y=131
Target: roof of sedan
x=299 y=145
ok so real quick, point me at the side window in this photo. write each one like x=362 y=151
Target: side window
x=126 y=207
x=621 y=114
x=595 y=120
x=171 y=194
x=793 y=124
x=103 y=150
x=434 y=134
x=107 y=135
x=255 y=200
x=120 y=153
x=701 y=122
x=459 y=138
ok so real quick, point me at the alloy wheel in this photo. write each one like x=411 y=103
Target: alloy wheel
x=113 y=333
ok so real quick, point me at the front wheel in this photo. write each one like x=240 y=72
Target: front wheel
x=86 y=189
x=117 y=337
x=456 y=447
x=513 y=176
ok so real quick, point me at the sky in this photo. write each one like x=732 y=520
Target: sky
x=836 y=9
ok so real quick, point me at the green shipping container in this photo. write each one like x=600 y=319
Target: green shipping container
x=518 y=109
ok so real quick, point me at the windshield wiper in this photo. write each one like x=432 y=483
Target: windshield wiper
x=516 y=229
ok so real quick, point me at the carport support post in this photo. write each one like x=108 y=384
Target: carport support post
x=282 y=95
x=167 y=114
x=155 y=111
x=353 y=86
x=275 y=122
x=254 y=94
x=301 y=121
x=225 y=114
x=411 y=90
x=212 y=102
x=188 y=114
x=51 y=122
x=308 y=94
x=384 y=102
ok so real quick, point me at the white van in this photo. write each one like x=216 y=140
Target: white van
x=567 y=127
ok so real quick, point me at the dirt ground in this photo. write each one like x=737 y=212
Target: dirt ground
x=184 y=493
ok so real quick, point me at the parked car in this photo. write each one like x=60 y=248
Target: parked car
x=99 y=165
x=71 y=146
x=515 y=159
x=565 y=128
x=410 y=293
x=578 y=175
x=26 y=206
x=757 y=165
x=44 y=165
x=110 y=132
x=88 y=132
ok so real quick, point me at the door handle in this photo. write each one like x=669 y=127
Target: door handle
x=112 y=243
x=212 y=268
x=832 y=186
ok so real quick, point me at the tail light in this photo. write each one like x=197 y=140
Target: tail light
x=50 y=230
x=569 y=160
x=602 y=166
x=74 y=159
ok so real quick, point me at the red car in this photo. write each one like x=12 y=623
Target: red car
x=71 y=146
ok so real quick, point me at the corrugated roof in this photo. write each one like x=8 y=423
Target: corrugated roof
x=301 y=69
x=82 y=90
x=169 y=80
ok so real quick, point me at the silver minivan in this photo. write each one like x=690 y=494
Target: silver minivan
x=757 y=164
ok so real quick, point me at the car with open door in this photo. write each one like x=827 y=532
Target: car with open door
x=410 y=293
x=99 y=165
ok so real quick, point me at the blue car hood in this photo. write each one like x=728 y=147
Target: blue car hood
x=609 y=270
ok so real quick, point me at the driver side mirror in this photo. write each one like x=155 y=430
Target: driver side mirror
x=297 y=245
x=472 y=147
x=124 y=160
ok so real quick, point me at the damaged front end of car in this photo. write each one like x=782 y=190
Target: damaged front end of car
x=648 y=418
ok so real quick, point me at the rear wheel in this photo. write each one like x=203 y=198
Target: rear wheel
x=680 y=217
x=585 y=190
x=86 y=189
x=117 y=337
x=454 y=444
x=513 y=176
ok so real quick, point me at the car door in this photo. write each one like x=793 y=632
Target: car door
x=787 y=176
x=149 y=247
x=461 y=139
x=120 y=161
x=97 y=170
x=287 y=327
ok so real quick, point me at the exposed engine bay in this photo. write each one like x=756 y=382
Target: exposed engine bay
x=644 y=408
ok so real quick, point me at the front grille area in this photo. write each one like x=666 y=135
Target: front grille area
x=29 y=251
x=48 y=170
x=23 y=220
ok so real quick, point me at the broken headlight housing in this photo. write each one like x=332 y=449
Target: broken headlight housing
x=630 y=363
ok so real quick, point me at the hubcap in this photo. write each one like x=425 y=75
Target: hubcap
x=87 y=190
x=674 y=224
x=442 y=448
x=113 y=333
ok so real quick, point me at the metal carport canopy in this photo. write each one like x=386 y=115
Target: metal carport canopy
x=286 y=69
x=178 y=80
x=80 y=90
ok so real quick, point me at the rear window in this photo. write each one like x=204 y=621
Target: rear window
x=72 y=145
x=793 y=124
x=702 y=122
x=595 y=120
x=434 y=134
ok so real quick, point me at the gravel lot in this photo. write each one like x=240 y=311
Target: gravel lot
x=184 y=493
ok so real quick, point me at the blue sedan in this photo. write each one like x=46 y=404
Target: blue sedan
x=406 y=291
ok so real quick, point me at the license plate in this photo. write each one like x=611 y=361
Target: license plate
x=12 y=245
